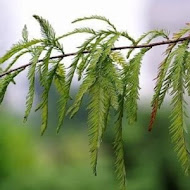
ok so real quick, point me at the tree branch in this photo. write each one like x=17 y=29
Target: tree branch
x=113 y=49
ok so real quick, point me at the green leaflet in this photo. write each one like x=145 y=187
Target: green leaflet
x=178 y=35
x=25 y=33
x=187 y=74
x=78 y=31
x=93 y=55
x=163 y=82
x=178 y=112
x=108 y=45
x=48 y=34
x=59 y=78
x=18 y=47
x=87 y=83
x=152 y=35
x=165 y=74
x=16 y=59
x=162 y=86
x=126 y=35
x=64 y=99
x=44 y=77
x=45 y=66
x=59 y=81
x=89 y=79
x=181 y=33
x=132 y=86
x=96 y=120
x=96 y=17
x=118 y=146
x=118 y=58
x=47 y=30
x=113 y=82
x=97 y=107
x=44 y=104
x=44 y=118
x=5 y=82
x=31 y=78
x=102 y=95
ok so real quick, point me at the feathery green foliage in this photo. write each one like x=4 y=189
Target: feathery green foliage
x=187 y=75
x=96 y=17
x=110 y=79
x=44 y=104
x=118 y=145
x=132 y=88
x=46 y=29
x=178 y=113
x=164 y=77
x=18 y=47
x=5 y=82
x=31 y=78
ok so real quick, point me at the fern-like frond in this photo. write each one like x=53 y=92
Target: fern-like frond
x=93 y=54
x=103 y=93
x=151 y=35
x=25 y=33
x=59 y=78
x=96 y=17
x=107 y=48
x=85 y=86
x=113 y=81
x=178 y=113
x=18 y=47
x=132 y=86
x=5 y=82
x=162 y=86
x=176 y=36
x=118 y=58
x=95 y=57
x=44 y=104
x=59 y=81
x=31 y=78
x=156 y=34
x=181 y=33
x=126 y=35
x=45 y=65
x=44 y=72
x=44 y=118
x=64 y=99
x=16 y=59
x=164 y=80
x=47 y=30
x=187 y=74
x=96 y=120
x=78 y=31
x=48 y=34
x=118 y=146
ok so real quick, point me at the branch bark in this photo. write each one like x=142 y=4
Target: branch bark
x=113 y=49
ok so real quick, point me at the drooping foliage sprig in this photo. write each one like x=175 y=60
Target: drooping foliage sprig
x=108 y=77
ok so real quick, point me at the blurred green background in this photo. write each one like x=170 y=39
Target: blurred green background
x=61 y=162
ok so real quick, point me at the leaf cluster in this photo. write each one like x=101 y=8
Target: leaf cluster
x=109 y=78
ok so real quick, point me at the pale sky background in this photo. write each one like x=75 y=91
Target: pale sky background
x=135 y=16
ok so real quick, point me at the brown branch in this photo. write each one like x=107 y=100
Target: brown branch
x=113 y=49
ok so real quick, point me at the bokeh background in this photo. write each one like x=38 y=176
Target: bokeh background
x=61 y=162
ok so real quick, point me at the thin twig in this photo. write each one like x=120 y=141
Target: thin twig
x=113 y=49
